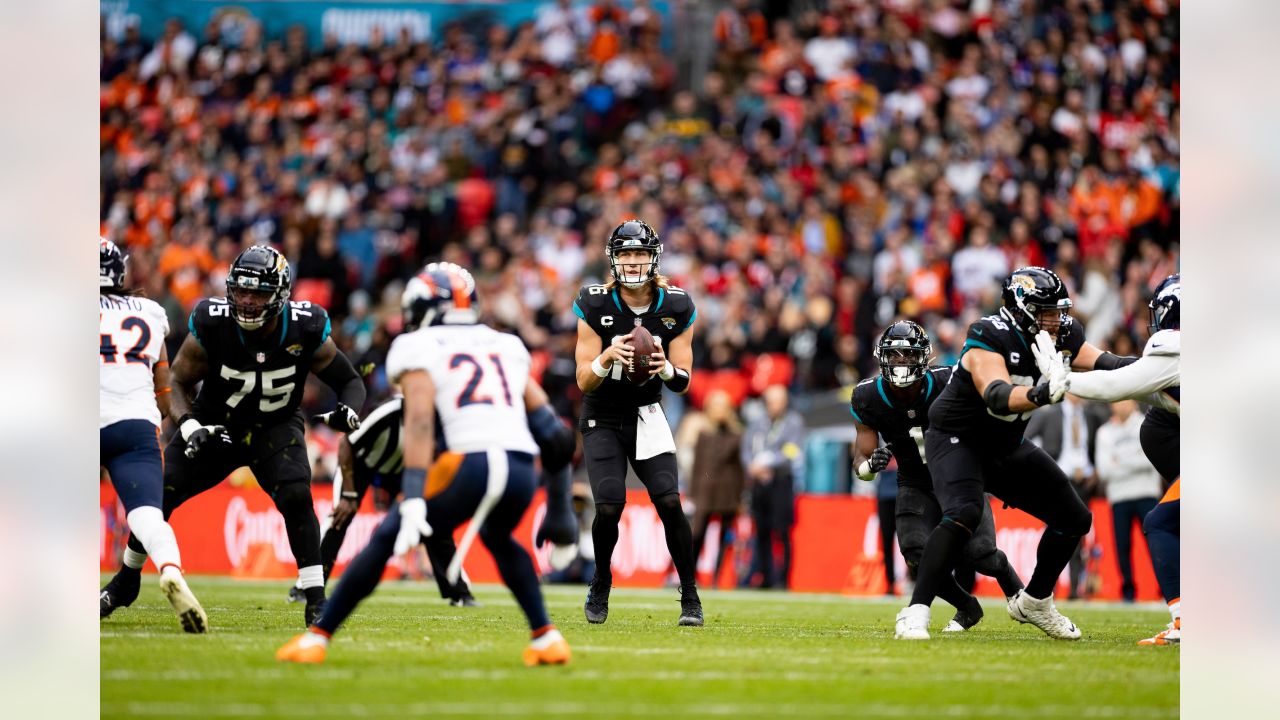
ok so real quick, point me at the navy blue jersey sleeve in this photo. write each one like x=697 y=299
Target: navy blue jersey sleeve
x=204 y=318
x=990 y=333
x=861 y=403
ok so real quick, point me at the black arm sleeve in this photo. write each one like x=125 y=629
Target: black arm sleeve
x=555 y=439
x=1109 y=361
x=997 y=396
x=340 y=376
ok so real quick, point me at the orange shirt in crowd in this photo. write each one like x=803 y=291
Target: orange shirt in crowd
x=186 y=267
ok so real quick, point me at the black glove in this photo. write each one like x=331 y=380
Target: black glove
x=341 y=418
x=1040 y=394
x=199 y=437
x=879 y=459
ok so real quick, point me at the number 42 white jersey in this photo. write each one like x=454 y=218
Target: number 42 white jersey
x=131 y=334
x=479 y=375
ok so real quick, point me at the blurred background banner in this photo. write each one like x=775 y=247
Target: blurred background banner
x=347 y=22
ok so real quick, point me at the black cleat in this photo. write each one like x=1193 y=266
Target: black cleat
x=690 y=607
x=467 y=600
x=597 y=605
x=120 y=592
x=966 y=617
x=296 y=595
x=315 y=604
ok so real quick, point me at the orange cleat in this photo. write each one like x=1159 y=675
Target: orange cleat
x=302 y=648
x=550 y=649
x=1171 y=635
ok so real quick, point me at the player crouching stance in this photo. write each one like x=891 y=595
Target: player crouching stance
x=895 y=406
x=134 y=382
x=476 y=379
x=975 y=443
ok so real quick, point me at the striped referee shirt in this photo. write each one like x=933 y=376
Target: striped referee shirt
x=376 y=444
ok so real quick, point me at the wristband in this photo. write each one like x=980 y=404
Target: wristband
x=864 y=471
x=599 y=369
x=188 y=426
x=350 y=495
x=414 y=483
x=667 y=372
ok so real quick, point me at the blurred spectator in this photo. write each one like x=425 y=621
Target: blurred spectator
x=717 y=479
x=1068 y=432
x=771 y=454
x=1132 y=485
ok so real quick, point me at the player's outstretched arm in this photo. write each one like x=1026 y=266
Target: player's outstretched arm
x=991 y=380
x=332 y=366
x=1148 y=374
x=419 y=448
x=160 y=375
x=1091 y=357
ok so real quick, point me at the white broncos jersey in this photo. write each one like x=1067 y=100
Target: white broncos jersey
x=479 y=375
x=132 y=332
x=1154 y=379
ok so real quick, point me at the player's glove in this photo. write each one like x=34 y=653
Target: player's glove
x=198 y=436
x=880 y=459
x=413 y=525
x=1053 y=366
x=341 y=418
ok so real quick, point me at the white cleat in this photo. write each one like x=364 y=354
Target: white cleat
x=954 y=627
x=184 y=603
x=1044 y=615
x=912 y=623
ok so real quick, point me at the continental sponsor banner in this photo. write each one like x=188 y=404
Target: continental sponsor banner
x=836 y=544
x=351 y=21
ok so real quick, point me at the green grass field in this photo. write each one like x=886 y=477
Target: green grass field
x=407 y=654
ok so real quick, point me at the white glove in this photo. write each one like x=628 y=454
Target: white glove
x=413 y=525
x=1053 y=366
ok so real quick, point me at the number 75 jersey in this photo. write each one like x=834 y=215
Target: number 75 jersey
x=255 y=379
x=131 y=333
x=479 y=376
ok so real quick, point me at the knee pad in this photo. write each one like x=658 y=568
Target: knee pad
x=611 y=512
x=293 y=497
x=1162 y=518
x=145 y=523
x=669 y=503
x=964 y=518
x=1079 y=525
x=980 y=547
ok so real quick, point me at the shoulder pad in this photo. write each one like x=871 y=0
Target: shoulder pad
x=590 y=298
x=860 y=402
x=680 y=303
x=313 y=319
x=1165 y=342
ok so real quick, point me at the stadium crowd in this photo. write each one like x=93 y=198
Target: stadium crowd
x=839 y=166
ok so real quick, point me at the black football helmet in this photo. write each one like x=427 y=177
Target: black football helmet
x=258 y=286
x=112 y=266
x=444 y=293
x=903 y=353
x=1031 y=291
x=633 y=235
x=1166 y=304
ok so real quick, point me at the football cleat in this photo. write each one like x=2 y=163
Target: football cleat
x=184 y=603
x=1044 y=615
x=314 y=611
x=690 y=608
x=1170 y=635
x=304 y=648
x=296 y=595
x=912 y=623
x=550 y=649
x=467 y=600
x=597 y=606
x=966 y=618
x=120 y=592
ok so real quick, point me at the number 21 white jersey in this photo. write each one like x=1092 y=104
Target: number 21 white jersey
x=131 y=335
x=479 y=375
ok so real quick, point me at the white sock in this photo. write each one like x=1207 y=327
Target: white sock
x=134 y=559
x=1175 y=609
x=312 y=639
x=148 y=524
x=544 y=641
x=311 y=576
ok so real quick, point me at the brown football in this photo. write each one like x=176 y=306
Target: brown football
x=642 y=341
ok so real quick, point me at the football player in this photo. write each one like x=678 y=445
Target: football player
x=132 y=398
x=974 y=444
x=476 y=380
x=251 y=352
x=623 y=422
x=1155 y=379
x=895 y=406
x=374 y=455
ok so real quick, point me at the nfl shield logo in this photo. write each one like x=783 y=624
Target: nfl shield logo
x=262 y=357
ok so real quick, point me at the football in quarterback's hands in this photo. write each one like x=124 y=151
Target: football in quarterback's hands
x=638 y=370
